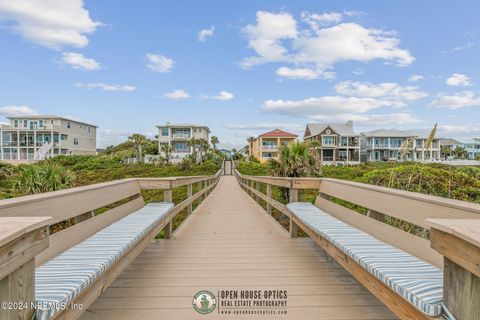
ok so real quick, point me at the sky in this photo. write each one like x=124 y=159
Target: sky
x=244 y=67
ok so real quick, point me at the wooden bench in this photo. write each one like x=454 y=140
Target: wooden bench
x=76 y=264
x=416 y=281
x=67 y=278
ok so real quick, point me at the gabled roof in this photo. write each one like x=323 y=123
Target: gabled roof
x=277 y=133
x=341 y=129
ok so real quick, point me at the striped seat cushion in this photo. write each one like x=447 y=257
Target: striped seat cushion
x=417 y=281
x=59 y=281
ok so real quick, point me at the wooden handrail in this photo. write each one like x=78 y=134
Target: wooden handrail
x=25 y=239
x=380 y=202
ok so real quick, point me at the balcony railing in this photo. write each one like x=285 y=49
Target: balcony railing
x=270 y=147
x=181 y=136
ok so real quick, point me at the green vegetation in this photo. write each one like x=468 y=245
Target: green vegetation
x=295 y=160
x=41 y=178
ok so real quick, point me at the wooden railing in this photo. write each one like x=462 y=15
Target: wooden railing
x=382 y=206
x=25 y=221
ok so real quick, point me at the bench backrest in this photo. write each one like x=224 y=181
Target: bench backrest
x=384 y=204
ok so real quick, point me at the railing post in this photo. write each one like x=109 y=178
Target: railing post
x=21 y=239
x=269 y=196
x=293 y=195
x=167 y=230
x=189 y=194
x=257 y=187
x=293 y=229
x=200 y=187
x=459 y=242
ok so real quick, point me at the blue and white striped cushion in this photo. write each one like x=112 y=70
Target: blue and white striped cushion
x=417 y=281
x=62 y=279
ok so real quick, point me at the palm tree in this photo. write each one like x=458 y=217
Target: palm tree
x=167 y=149
x=139 y=141
x=193 y=144
x=214 y=140
x=295 y=160
x=203 y=147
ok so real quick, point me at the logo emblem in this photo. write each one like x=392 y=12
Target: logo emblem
x=204 y=302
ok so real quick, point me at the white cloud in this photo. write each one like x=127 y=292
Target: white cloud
x=79 y=61
x=224 y=96
x=49 y=23
x=315 y=20
x=159 y=63
x=459 y=48
x=304 y=73
x=177 y=94
x=455 y=101
x=319 y=107
x=388 y=90
x=17 y=111
x=277 y=38
x=266 y=35
x=106 y=87
x=460 y=129
x=206 y=33
x=415 y=78
x=458 y=79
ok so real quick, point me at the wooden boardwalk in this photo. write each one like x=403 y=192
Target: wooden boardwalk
x=230 y=243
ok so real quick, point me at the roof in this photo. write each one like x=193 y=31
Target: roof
x=384 y=133
x=391 y=133
x=277 y=133
x=182 y=125
x=450 y=142
x=48 y=116
x=341 y=129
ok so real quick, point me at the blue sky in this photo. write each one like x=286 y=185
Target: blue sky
x=243 y=67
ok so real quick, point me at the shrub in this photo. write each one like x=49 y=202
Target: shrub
x=42 y=178
x=429 y=180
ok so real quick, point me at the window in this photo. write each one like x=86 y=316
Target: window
x=75 y=141
x=328 y=140
x=40 y=123
x=25 y=123
x=88 y=129
x=63 y=137
x=268 y=155
x=15 y=123
x=55 y=137
x=68 y=125
x=164 y=132
x=51 y=121
x=181 y=147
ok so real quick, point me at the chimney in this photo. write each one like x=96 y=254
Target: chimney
x=349 y=124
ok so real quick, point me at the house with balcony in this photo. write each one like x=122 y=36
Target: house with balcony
x=338 y=144
x=178 y=137
x=267 y=145
x=472 y=147
x=31 y=138
x=385 y=145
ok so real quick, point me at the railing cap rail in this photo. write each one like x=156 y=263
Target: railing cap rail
x=23 y=200
x=452 y=203
x=465 y=229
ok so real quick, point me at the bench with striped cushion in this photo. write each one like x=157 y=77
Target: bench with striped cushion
x=59 y=281
x=415 y=280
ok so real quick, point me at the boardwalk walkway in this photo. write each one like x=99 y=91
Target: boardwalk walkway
x=231 y=243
